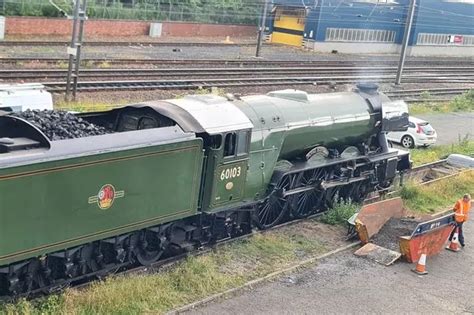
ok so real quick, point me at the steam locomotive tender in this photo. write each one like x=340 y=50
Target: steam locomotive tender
x=178 y=174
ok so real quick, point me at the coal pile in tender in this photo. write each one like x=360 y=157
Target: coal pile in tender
x=60 y=125
x=389 y=234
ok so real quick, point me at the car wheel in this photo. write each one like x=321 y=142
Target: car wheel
x=390 y=144
x=408 y=142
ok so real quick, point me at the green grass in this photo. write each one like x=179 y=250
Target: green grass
x=439 y=195
x=193 y=279
x=461 y=103
x=437 y=152
x=85 y=106
x=207 y=11
x=340 y=213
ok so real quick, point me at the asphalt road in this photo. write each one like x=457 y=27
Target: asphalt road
x=450 y=127
x=346 y=284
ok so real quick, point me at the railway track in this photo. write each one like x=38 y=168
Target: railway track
x=442 y=167
x=183 y=84
x=425 y=174
x=36 y=74
x=239 y=62
x=419 y=95
x=263 y=75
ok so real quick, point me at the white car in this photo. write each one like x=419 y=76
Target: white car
x=419 y=133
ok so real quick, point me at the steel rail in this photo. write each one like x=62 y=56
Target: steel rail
x=431 y=90
x=174 y=62
x=16 y=74
x=244 y=82
x=240 y=69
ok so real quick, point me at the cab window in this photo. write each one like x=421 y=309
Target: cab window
x=236 y=143
x=230 y=144
x=243 y=142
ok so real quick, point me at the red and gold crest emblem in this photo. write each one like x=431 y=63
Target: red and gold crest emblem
x=106 y=196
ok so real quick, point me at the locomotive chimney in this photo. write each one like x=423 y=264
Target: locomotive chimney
x=368 y=88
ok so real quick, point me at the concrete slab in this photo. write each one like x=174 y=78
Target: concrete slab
x=379 y=254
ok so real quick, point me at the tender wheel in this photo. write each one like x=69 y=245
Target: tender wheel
x=272 y=210
x=408 y=142
x=151 y=247
x=308 y=202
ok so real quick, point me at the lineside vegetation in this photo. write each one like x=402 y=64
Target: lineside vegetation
x=438 y=152
x=193 y=279
x=204 y=11
x=340 y=213
x=439 y=195
x=461 y=103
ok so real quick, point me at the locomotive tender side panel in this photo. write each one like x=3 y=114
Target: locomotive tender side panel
x=55 y=205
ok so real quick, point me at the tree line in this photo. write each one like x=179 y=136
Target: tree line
x=205 y=11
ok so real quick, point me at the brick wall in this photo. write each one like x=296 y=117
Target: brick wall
x=194 y=29
x=61 y=27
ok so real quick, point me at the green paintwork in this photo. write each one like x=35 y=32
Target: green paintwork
x=284 y=129
x=229 y=183
x=50 y=209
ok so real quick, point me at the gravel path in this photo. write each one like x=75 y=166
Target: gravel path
x=346 y=284
x=275 y=52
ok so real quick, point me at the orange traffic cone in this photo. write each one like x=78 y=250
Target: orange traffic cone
x=421 y=266
x=454 y=245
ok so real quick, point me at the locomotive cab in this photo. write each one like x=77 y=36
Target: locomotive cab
x=225 y=168
x=225 y=131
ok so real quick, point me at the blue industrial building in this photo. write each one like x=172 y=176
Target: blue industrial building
x=342 y=25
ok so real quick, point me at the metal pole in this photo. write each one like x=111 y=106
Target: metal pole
x=82 y=18
x=72 y=49
x=261 y=29
x=406 y=39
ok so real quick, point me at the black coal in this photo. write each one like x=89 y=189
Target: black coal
x=60 y=125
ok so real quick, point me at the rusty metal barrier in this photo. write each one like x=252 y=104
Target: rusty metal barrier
x=428 y=238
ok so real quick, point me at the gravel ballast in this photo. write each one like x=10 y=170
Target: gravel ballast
x=389 y=234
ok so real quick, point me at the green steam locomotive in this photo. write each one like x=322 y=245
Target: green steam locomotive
x=178 y=174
